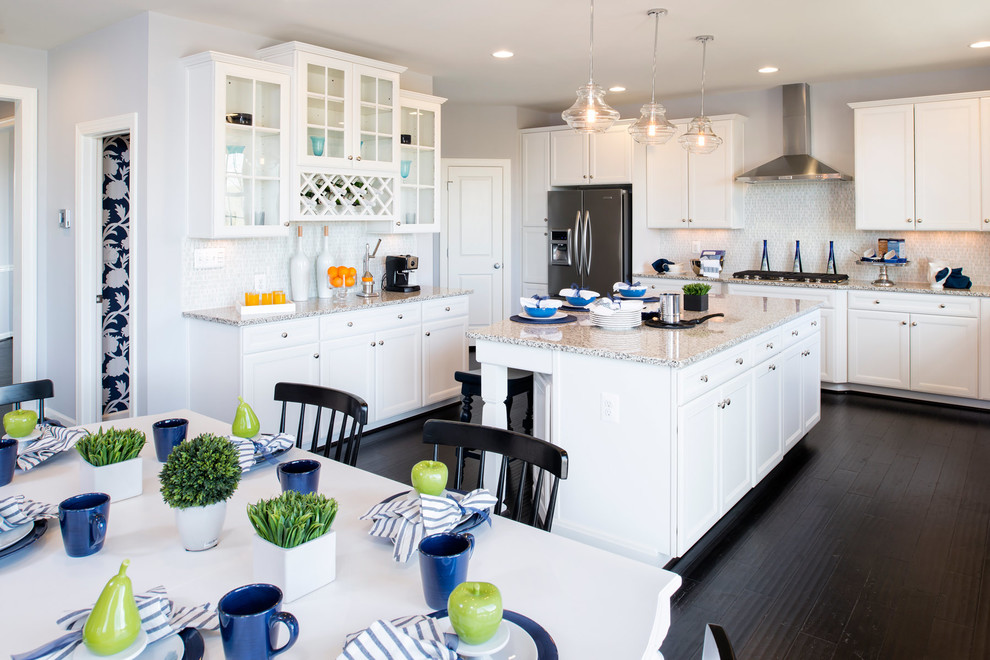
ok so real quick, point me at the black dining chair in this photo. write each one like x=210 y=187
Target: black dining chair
x=348 y=416
x=34 y=390
x=548 y=459
x=716 y=646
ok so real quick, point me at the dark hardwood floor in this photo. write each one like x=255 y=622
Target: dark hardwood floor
x=870 y=541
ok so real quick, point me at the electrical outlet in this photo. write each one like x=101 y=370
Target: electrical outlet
x=205 y=258
x=696 y=247
x=259 y=282
x=610 y=408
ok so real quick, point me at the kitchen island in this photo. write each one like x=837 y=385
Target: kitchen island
x=666 y=430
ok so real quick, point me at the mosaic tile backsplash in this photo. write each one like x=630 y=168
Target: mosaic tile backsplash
x=816 y=213
x=246 y=257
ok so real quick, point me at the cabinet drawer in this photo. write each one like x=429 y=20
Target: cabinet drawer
x=670 y=285
x=800 y=329
x=334 y=326
x=697 y=379
x=445 y=308
x=826 y=296
x=923 y=303
x=280 y=335
x=768 y=345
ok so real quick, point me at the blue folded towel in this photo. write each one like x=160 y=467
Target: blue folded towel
x=955 y=280
x=662 y=265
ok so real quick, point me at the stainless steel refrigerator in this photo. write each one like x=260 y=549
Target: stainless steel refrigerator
x=590 y=238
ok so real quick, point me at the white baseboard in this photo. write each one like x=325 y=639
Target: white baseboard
x=65 y=420
x=907 y=394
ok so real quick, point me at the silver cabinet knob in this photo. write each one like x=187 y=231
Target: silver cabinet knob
x=814 y=324
x=400 y=316
x=446 y=309
x=876 y=302
x=286 y=224
x=372 y=344
x=381 y=342
x=284 y=335
x=739 y=360
x=704 y=379
x=497 y=266
x=548 y=220
x=773 y=367
x=398 y=224
x=919 y=221
x=909 y=220
x=770 y=346
x=728 y=402
x=316 y=355
x=914 y=324
x=941 y=306
x=903 y=322
x=350 y=158
x=350 y=324
x=683 y=219
x=427 y=334
x=986 y=221
x=591 y=176
x=794 y=333
x=805 y=353
x=584 y=176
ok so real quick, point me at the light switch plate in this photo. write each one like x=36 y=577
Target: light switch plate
x=206 y=258
x=64 y=218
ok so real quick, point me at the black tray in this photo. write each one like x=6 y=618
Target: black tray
x=655 y=322
x=568 y=318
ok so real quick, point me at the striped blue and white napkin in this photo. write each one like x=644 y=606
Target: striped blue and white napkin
x=251 y=451
x=53 y=440
x=415 y=637
x=159 y=618
x=407 y=519
x=15 y=511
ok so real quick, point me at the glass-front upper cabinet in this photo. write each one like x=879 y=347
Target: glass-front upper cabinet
x=346 y=108
x=419 y=163
x=238 y=147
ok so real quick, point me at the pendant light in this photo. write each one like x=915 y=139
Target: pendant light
x=700 y=138
x=652 y=126
x=590 y=113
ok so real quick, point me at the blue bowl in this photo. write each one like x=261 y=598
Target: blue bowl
x=541 y=312
x=633 y=293
x=579 y=302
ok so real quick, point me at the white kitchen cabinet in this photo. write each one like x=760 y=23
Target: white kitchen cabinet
x=534 y=149
x=810 y=385
x=299 y=364
x=943 y=352
x=419 y=164
x=984 y=348
x=735 y=441
x=985 y=164
x=767 y=445
x=238 y=137
x=348 y=364
x=918 y=165
x=595 y=159
x=536 y=246
x=879 y=348
x=443 y=354
x=686 y=190
x=800 y=401
x=398 y=372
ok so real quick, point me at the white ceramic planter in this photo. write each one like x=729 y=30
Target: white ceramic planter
x=200 y=526
x=118 y=480
x=296 y=571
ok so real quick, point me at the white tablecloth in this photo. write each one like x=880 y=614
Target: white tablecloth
x=593 y=603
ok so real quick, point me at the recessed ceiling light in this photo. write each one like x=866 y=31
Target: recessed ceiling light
x=980 y=44
x=617 y=88
x=503 y=54
x=768 y=69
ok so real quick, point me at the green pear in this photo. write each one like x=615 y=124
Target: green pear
x=246 y=424
x=114 y=623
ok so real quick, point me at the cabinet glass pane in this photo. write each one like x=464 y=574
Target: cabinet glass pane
x=313 y=137
x=316 y=79
x=385 y=121
x=407 y=157
x=266 y=200
x=237 y=201
x=240 y=95
x=266 y=154
x=267 y=106
x=238 y=153
x=427 y=119
x=410 y=124
x=426 y=167
x=385 y=91
x=385 y=149
x=335 y=83
x=335 y=143
x=410 y=202
x=369 y=89
x=426 y=206
x=335 y=114
x=369 y=147
x=369 y=119
x=316 y=111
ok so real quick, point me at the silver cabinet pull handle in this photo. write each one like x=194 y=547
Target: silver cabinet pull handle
x=794 y=333
x=284 y=335
x=814 y=323
x=770 y=345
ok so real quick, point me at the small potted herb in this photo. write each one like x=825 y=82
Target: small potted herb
x=111 y=463
x=696 y=297
x=197 y=480
x=294 y=549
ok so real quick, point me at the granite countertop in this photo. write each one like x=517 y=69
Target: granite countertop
x=320 y=307
x=745 y=317
x=980 y=291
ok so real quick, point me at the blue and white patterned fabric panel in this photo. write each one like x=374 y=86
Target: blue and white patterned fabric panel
x=116 y=269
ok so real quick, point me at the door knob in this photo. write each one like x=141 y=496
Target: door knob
x=497 y=266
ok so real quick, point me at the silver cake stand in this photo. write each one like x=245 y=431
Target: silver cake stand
x=882 y=279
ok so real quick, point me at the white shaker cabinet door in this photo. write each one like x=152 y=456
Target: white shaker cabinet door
x=791 y=426
x=884 y=149
x=535 y=156
x=568 y=158
x=711 y=182
x=879 y=348
x=666 y=185
x=298 y=364
x=535 y=250
x=611 y=156
x=697 y=468
x=947 y=165
x=348 y=364
x=398 y=376
x=767 y=446
x=811 y=391
x=444 y=352
x=985 y=164
x=944 y=352
x=735 y=421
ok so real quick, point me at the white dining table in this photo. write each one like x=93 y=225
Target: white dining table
x=593 y=603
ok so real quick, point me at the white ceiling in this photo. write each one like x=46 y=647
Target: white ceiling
x=452 y=40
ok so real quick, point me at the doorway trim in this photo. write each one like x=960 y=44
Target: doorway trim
x=25 y=317
x=506 y=165
x=89 y=261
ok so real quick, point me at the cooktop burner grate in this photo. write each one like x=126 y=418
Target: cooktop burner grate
x=785 y=276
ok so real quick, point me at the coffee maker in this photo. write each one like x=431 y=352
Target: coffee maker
x=397 y=269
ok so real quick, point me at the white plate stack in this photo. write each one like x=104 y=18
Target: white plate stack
x=618 y=320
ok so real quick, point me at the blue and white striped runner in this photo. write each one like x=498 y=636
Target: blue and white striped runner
x=408 y=638
x=53 y=440
x=159 y=618
x=250 y=450
x=15 y=511
x=407 y=519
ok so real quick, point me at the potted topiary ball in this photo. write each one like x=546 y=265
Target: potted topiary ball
x=294 y=548
x=197 y=480
x=696 y=297
x=111 y=463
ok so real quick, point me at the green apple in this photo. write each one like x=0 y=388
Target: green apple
x=19 y=423
x=246 y=424
x=475 y=611
x=429 y=477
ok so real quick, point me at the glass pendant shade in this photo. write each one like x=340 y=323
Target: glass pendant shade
x=590 y=113
x=652 y=126
x=700 y=138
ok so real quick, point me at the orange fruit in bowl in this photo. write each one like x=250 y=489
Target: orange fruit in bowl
x=350 y=281
x=332 y=271
x=337 y=281
x=352 y=272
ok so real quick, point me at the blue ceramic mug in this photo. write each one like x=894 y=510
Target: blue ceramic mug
x=302 y=476
x=248 y=616
x=8 y=460
x=443 y=564
x=83 y=519
x=168 y=433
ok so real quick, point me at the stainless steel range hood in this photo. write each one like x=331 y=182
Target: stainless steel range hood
x=796 y=164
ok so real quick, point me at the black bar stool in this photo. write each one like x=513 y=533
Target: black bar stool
x=518 y=383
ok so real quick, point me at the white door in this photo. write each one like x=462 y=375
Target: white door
x=879 y=349
x=299 y=364
x=348 y=364
x=811 y=384
x=766 y=419
x=884 y=148
x=398 y=372
x=697 y=468
x=735 y=424
x=476 y=253
x=791 y=421
x=7 y=228
x=943 y=352
x=444 y=352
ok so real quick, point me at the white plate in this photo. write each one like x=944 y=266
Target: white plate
x=22 y=443
x=12 y=536
x=131 y=652
x=168 y=648
x=556 y=317
x=518 y=646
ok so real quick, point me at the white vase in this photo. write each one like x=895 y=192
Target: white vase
x=200 y=526
x=296 y=571
x=300 y=271
x=323 y=262
x=118 y=480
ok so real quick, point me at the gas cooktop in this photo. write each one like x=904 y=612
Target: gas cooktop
x=784 y=276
